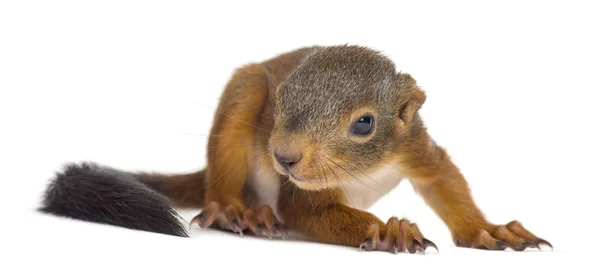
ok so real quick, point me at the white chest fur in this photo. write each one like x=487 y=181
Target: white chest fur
x=266 y=185
x=365 y=193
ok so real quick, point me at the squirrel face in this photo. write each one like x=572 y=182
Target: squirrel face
x=339 y=114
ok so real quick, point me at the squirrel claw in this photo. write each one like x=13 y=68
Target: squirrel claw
x=235 y=227
x=367 y=244
x=199 y=219
x=500 y=237
x=415 y=246
x=398 y=236
x=427 y=243
x=540 y=241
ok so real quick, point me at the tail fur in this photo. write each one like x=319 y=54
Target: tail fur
x=140 y=201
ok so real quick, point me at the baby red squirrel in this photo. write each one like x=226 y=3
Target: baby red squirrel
x=303 y=142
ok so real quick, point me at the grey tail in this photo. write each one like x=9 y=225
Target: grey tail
x=100 y=194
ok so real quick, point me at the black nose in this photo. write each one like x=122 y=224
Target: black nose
x=287 y=160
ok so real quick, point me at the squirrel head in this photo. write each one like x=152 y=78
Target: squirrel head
x=340 y=114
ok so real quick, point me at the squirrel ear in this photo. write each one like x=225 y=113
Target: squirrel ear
x=411 y=99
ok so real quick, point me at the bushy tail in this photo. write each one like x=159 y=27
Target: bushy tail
x=141 y=201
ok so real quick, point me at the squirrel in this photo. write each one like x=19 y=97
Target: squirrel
x=303 y=143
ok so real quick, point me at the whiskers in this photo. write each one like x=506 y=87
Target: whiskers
x=210 y=135
x=354 y=174
x=255 y=143
x=321 y=162
x=338 y=180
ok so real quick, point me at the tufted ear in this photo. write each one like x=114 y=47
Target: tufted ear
x=410 y=101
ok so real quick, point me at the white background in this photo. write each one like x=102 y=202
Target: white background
x=512 y=94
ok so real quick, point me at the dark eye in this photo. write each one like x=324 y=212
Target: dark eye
x=363 y=126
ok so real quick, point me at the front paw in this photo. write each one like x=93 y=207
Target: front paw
x=499 y=237
x=261 y=222
x=398 y=236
